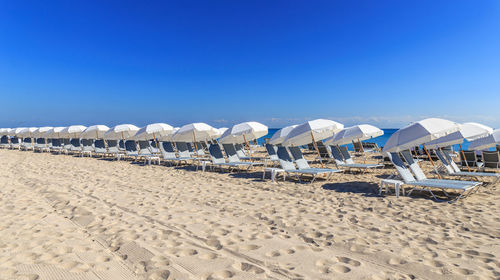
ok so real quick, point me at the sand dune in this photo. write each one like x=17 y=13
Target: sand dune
x=65 y=217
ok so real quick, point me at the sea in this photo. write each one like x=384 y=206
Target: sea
x=381 y=140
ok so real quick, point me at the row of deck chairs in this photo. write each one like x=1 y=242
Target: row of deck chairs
x=412 y=175
x=337 y=154
x=489 y=159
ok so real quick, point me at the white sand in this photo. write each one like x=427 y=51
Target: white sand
x=64 y=217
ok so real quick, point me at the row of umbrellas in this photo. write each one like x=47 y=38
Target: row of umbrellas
x=433 y=132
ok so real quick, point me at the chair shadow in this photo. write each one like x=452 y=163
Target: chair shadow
x=360 y=187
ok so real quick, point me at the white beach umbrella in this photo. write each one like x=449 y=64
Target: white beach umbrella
x=222 y=130
x=194 y=132
x=354 y=133
x=419 y=133
x=72 y=131
x=121 y=132
x=17 y=130
x=486 y=142
x=40 y=132
x=468 y=131
x=281 y=134
x=312 y=131
x=26 y=132
x=54 y=132
x=4 y=131
x=154 y=131
x=244 y=132
x=94 y=132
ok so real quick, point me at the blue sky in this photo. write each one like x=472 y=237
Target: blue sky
x=278 y=62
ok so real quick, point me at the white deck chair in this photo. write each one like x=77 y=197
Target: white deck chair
x=288 y=165
x=342 y=160
x=453 y=170
x=465 y=188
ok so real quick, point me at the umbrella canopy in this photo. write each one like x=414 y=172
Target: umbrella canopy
x=94 y=132
x=26 y=132
x=72 y=131
x=54 y=132
x=281 y=134
x=222 y=130
x=40 y=133
x=154 y=131
x=17 y=130
x=312 y=131
x=4 y=131
x=121 y=132
x=468 y=131
x=195 y=132
x=418 y=133
x=244 y=132
x=358 y=132
x=486 y=142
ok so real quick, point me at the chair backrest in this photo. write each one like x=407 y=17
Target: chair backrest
x=231 y=154
x=75 y=142
x=113 y=146
x=444 y=161
x=144 y=147
x=130 y=146
x=357 y=147
x=87 y=142
x=216 y=154
x=271 y=151
x=337 y=155
x=40 y=141
x=153 y=146
x=400 y=167
x=100 y=146
x=452 y=163
x=183 y=149
x=167 y=149
x=299 y=158
x=470 y=158
x=284 y=157
x=346 y=155
x=56 y=142
x=240 y=150
x=14 y=140
x=4 y=139
x=198 y=147
x=27 y=140
x=323 y=150
x=121 y=143
x=491 y=159
x=414 y=167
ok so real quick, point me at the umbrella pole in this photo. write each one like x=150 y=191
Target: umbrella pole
x=432 y=162
x=317 y=150
x=362 y=150
x=195 y=146
x=246 y=143
x=157 y=146
x=463 y=155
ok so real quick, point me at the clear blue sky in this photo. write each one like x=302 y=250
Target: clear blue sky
x=222 y=62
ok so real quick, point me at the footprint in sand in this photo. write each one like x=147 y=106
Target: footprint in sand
x=223 y=274
x=340 y=268
x=208 y=256
x=396 y=261
x=249 y=268
x=348 y=261
x=273 y=254
x=433 y=263
x=249 y=247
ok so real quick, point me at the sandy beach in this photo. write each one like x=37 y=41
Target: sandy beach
x=66 y=217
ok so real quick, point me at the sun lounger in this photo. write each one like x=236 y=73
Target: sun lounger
x=87 y=146
x=218 y=159
x=343 y=159
x=232 y=156
x=271 y=151
x=145 y=152
x=4 y=141
x=114 y=148
x=41 y=144
x=470 y=159
x=100 y=147
x=169 y=155
x=288 y=165
x=56 y=145
x=27 y=144
x=465 y=188
x=15 y=143
x=453 y=170
x=491 y=159
x=131 y=149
